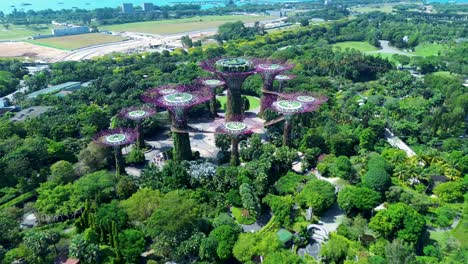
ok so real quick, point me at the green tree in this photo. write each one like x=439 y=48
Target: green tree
x=317 y=194
x=377 y=179
x=142 y=204
x=249 y=199
x=41 y=245
x=450 y=191
x=283 y=256
x=335 y=250
x=399 y=252
x=168 y=231
x=131 y=245
x=354 y=199
x=84 y=250
x=62 y=172
x=226 y=237
x=9 y=228
x=398 y=221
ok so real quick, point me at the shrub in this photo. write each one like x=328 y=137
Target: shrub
x=135 y=156
x=450 y=191
x=377 y=179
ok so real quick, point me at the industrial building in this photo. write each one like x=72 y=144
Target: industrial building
x=59 y=32
x=147 y=7
x=127 y=8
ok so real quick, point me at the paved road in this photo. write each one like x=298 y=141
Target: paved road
x=396 y=142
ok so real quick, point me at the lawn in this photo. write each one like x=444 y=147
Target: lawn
x=77 y=41
x=237 y=213
x=172 y=26
x=357 y=45
x=254 y=101
x=22 y=32
x=388 y=8
x=428 y=49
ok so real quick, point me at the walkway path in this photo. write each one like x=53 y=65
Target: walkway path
x=396 y=142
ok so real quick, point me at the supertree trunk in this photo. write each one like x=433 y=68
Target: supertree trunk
x=267 y=88
x=182 y=149
x=119 y=161
x=287 y=132
x=140 y=142
x=213 y=110
x=234 y=104
x=234 y=151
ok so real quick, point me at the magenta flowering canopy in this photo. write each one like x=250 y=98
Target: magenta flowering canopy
x=294 y=103
x=149 y=96
x=210 y=82
x=116 y=137
x=137 y=113
x=269 y=69
x=238 y=126
x=233 y=71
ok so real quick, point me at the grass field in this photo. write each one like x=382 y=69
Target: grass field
x=77 y=41
x=182 y=25
x=357 y=45
x=428 y=49
x=22 y=32
x=385 y=8
x=254 y=101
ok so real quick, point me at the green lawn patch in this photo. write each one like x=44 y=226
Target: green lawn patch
x=428 y=49
x=21 y=32
x=172 y=26
x=385 y=8
x=77 y=41
x=254 y=101
x=361 y=46
x=237 y=213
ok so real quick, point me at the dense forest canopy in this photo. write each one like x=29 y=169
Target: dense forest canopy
x=394 y=208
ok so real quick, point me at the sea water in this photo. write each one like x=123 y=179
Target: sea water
x=7 y=6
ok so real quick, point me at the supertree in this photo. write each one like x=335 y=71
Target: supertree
x=211 y=83
x=233 y=71
x=282 y=79
x=178 y=103
x=117 y=138
x=237 y=128
x=269 y=69
x=138 y=114
x=291 y=104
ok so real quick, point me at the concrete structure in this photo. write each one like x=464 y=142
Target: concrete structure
x=68 y=86
x=147 y=7
x=127 y=8
x=60 y=32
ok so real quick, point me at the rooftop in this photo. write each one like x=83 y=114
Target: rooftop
x=55 y=88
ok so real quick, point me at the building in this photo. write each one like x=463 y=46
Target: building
x=147 y=7
x=127 y=8
x=59 y=32
x=68 y=86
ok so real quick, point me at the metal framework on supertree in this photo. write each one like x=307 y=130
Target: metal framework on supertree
x=138 y=114
x=117 y=138
x=212 y=84
x=233 y=71
x=283 y=79
x=238 y=127
x=269 y=69
x=291 y=104
x=177 y=104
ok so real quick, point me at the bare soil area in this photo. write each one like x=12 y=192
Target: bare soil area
x=29 y=51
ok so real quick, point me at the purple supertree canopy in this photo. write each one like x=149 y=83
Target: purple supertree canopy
x=294 y=103
x=116 y=137
x=137 y=112
x=231 y=70
x=210 y=82
x=238 y=126
x=268 y=69
x=149 y=96
x=284 y=78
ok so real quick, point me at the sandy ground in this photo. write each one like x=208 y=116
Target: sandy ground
x=28 y=50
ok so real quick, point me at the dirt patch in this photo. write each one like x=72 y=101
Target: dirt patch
x=29 y=51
